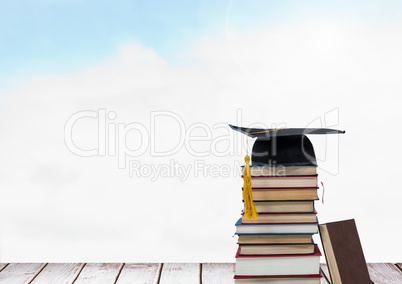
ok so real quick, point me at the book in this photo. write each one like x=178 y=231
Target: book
x=344 y=253
x=276 y=249
x=282 y=170
x=284 y=206
x=275 y=239
x=290 y=228
x=279 y=279
x=283 y=181
x=281 y=218
x=290 y=264
x=284 y=194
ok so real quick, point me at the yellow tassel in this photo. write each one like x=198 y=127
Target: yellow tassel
x=249 y=208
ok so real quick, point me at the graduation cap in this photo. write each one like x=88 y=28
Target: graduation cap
x=277 y=147
x=283 y=146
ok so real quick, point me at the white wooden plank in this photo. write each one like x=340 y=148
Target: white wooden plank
x=384 y=273
x=99 y=273
x=58 y=273
x=17 y=273
x=139 y=273
x=180 y=273
x=379 y=273
x=218 y=273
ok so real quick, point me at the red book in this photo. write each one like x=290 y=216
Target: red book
x=279 y=279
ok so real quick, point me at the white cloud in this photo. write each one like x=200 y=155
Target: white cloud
x=56 y=206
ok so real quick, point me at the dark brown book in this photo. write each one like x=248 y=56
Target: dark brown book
x=344 y=253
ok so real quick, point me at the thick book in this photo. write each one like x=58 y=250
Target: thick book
x=281 y=218
x=283 y=181
x=344 y=253
x=284 y=206
x=279 y=279
x=291 y=264
x=284 y=194
x=282 y=170
x=290 y=228
x=276 y=249
x=275 y=239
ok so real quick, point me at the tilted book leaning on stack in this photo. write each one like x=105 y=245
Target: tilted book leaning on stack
x=344 y=253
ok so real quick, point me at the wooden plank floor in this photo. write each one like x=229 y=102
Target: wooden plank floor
x=153 y=273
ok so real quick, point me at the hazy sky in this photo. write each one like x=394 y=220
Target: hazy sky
x=115 y=145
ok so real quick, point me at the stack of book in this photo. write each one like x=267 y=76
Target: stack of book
x=278 y=247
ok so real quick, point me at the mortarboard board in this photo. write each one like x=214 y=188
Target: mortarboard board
x=274 y=147
x=283 y=146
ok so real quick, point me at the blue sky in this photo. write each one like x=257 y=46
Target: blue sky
x=51 y=35
x=48 y=34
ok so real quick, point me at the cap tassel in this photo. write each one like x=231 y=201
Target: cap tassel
x=249 y=208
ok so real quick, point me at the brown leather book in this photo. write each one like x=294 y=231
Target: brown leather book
x=344 y=253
